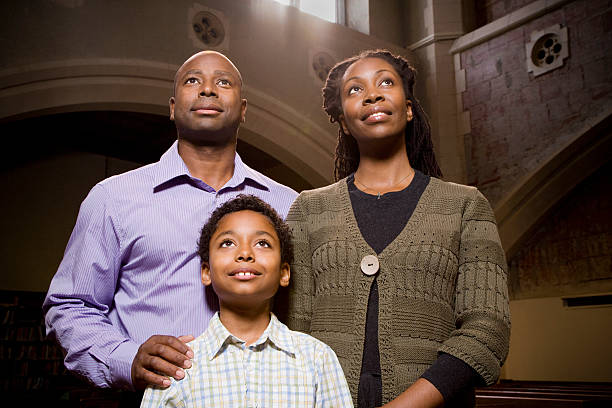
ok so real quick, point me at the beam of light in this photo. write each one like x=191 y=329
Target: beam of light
x=325 y=9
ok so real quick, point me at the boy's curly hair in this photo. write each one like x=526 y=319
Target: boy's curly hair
x=240 y=203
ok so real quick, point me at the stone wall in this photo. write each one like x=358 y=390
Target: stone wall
x=518 y=121
x=489 y=10
x=571 y=252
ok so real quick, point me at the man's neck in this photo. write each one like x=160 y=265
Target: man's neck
x=214 y=165
x=246 y=323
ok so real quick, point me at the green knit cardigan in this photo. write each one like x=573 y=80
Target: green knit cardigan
x=442 y=284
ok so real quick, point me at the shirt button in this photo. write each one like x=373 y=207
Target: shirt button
x=369 y=265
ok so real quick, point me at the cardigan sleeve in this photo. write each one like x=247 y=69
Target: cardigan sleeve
x=482 y=313
x=301 y=287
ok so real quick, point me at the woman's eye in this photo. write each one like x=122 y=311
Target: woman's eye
x=387 y=82
x=226 y=244
x=353 y=89
x=263 y=243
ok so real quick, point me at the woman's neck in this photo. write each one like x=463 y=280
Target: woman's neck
x=379 y=174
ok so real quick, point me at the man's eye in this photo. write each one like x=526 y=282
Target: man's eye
x=223 y=82
x=226 y=244
x=263 y=243
x=191 y=81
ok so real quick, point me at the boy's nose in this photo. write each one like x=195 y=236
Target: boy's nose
x=245 y=256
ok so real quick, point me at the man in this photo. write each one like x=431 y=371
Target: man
x=130 y=270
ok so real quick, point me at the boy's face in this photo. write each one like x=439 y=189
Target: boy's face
x=245 y=265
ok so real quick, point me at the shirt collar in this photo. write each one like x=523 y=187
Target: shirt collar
x=171 y=166
x=276 y=333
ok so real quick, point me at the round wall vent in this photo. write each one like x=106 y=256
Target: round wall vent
x=547 y=50
x=208 y=28
x=322 y=63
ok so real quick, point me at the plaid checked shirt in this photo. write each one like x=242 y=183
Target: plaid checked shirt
x=282 y=369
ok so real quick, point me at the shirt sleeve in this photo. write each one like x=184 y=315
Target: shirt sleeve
x=81 y=294
x=482 y=312
x=453 y=378
x=171 y=397
x=301 y=287
x=332 y=388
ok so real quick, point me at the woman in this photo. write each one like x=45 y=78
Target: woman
x=401 y=273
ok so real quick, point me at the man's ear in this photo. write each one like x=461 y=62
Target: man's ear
x=343 y=126
x=243 y=110
x=409 y=114
x=206 y=274
x=171 y=105
x=285 y=274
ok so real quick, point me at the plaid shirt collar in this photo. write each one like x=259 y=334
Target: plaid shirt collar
x=276 y=334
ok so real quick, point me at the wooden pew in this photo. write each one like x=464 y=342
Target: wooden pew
x=514 y=394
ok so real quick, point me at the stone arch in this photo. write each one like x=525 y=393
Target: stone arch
x=520 y=212
x=144 y=86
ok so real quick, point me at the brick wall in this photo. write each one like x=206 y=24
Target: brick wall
x=571 y=252
x=489 y=10
x=518 y=121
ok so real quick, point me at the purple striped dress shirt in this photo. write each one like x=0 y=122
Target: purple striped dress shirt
x=130 y=269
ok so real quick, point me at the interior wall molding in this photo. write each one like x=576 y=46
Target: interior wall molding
x=506 y=23
x=432 y=38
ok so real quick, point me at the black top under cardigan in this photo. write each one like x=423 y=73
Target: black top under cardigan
x=380 y=220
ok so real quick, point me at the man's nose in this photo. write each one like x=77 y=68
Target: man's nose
x=207 y=90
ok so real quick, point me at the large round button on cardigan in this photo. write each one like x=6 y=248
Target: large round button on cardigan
x=369 y=265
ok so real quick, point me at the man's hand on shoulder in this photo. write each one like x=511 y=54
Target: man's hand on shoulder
x=160 y=357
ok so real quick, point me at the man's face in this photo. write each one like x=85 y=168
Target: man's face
x=244 y=266
x=206 y=105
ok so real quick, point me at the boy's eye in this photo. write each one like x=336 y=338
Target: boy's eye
x=263 y=243
x=226 y=243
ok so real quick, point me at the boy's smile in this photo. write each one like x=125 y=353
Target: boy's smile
x=245 y=260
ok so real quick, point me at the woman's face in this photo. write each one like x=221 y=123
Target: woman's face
x=374 y=104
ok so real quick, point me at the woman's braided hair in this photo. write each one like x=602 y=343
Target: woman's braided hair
x=419 y=147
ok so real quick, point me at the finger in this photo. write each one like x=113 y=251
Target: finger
x=146 y=378
x=169 y=341
x=170 y=349
x=187 y=338
x=155 y=352
x=156 y=365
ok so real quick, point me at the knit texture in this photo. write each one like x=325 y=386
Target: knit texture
x=442 y=284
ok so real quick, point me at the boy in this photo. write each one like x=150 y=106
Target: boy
x=247 y=357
